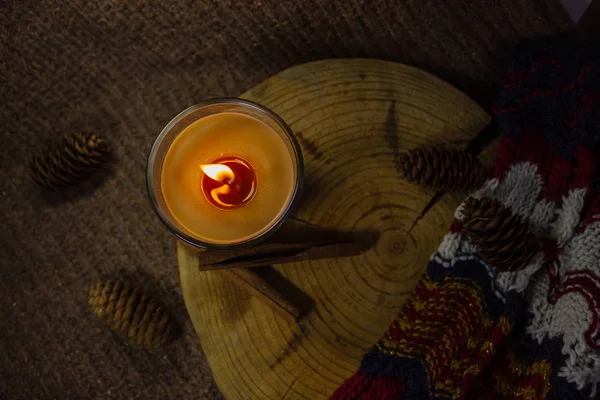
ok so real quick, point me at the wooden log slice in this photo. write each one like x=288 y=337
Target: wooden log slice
x=353 y=118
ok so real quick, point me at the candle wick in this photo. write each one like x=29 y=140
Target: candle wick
x=228 y=181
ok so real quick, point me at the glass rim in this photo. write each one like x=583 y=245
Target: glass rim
x=299 y=164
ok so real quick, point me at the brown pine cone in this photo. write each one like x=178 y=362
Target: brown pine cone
x=70 y=162
x=138 y=318
x=443 y=169
x=503 y=239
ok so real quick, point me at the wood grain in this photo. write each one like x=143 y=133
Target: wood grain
x=353 y=118
x=270 y=295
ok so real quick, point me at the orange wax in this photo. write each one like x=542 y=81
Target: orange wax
x=227 y=138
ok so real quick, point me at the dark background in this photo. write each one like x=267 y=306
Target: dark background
x=123 y=69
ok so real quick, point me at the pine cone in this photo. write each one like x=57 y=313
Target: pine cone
x=504 y=240
x=70 y=162
x=138 y=318
x=443 y=169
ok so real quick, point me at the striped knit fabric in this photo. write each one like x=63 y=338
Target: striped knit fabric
x=471 y=331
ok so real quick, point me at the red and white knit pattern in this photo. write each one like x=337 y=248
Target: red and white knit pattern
x=564 y=296
x=565 y=303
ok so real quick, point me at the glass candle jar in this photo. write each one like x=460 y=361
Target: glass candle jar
x=224 y=173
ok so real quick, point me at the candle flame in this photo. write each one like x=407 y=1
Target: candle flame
x=218 y=172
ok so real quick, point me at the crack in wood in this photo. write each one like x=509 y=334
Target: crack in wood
x=391 y=135
x=425 y=209
x=310 y=147
x=293 y=383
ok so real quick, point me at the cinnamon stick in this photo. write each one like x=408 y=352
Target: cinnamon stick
x=296 y=241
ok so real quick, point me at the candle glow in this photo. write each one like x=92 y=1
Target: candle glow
x=231 y=182
x=227 y=178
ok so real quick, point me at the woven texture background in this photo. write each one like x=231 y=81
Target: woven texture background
x=123 y=69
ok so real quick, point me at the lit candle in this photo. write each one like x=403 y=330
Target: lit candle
x=229 y=183
x=227 y=177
